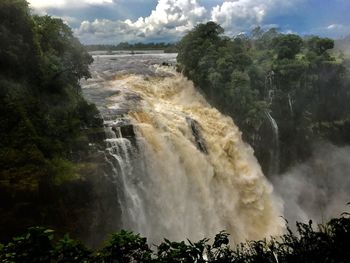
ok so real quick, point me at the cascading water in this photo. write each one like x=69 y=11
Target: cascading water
x=119 y=151
x=275 y=153
x=185 y=171
x=290 y=105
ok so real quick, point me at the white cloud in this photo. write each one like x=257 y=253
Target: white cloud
x=334 y=26
x=99 y=2
x=169 y=20
x=67 y=19
x=237 y=15
x=335 y=30
x=180 y=15
x=41 y=4
x=45 y=4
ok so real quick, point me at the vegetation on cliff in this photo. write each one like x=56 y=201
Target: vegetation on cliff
x=43 y=116
x=295 y=79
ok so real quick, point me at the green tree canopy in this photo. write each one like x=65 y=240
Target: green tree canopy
x=297 y=80
x=42 y=112
x=287 y=46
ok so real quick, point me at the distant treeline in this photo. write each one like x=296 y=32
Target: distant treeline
x=167 y=47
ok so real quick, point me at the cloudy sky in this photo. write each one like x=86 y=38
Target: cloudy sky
x=114 y=21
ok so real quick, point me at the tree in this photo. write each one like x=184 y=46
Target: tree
x=195 y=44
x=64 y=58
x=42 y=114
x=18 y=47
x=243 y=77
x=125 y=247
x=320 y=45
x=287 y=46
x=327 y=242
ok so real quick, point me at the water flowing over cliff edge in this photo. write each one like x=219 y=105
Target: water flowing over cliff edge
x=180 y=166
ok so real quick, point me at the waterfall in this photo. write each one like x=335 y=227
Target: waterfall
x=183 y=171
x=275 y=153
x=290 y=105
x=120 y=153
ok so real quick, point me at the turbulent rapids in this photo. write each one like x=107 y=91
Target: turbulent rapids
x=180 y=166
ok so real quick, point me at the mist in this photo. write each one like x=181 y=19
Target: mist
x=317 y=189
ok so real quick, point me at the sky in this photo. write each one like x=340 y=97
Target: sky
x=115 y=21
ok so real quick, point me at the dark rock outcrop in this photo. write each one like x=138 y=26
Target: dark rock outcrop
x=199 y=140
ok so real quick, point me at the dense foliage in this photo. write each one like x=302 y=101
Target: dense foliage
x=42 y=112
x=327 y=243
x=296 y=80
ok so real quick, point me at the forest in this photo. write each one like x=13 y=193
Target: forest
x=44 y=152
x=47 y=127
x=300 y=81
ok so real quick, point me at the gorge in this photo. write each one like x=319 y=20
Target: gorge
x=233 y=149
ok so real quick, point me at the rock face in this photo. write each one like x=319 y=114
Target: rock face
x=126 y=131
x=105 y=213
x=81 y=203
x=96 y=135
x=199 y=140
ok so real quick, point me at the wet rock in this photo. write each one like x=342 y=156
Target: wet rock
x=96 y=135
x=128 y=131
x=195 y=127
x=133 y=97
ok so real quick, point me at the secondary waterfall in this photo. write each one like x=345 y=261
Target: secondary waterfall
x=290 y=104
x=181 y=166
x=275 y=152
